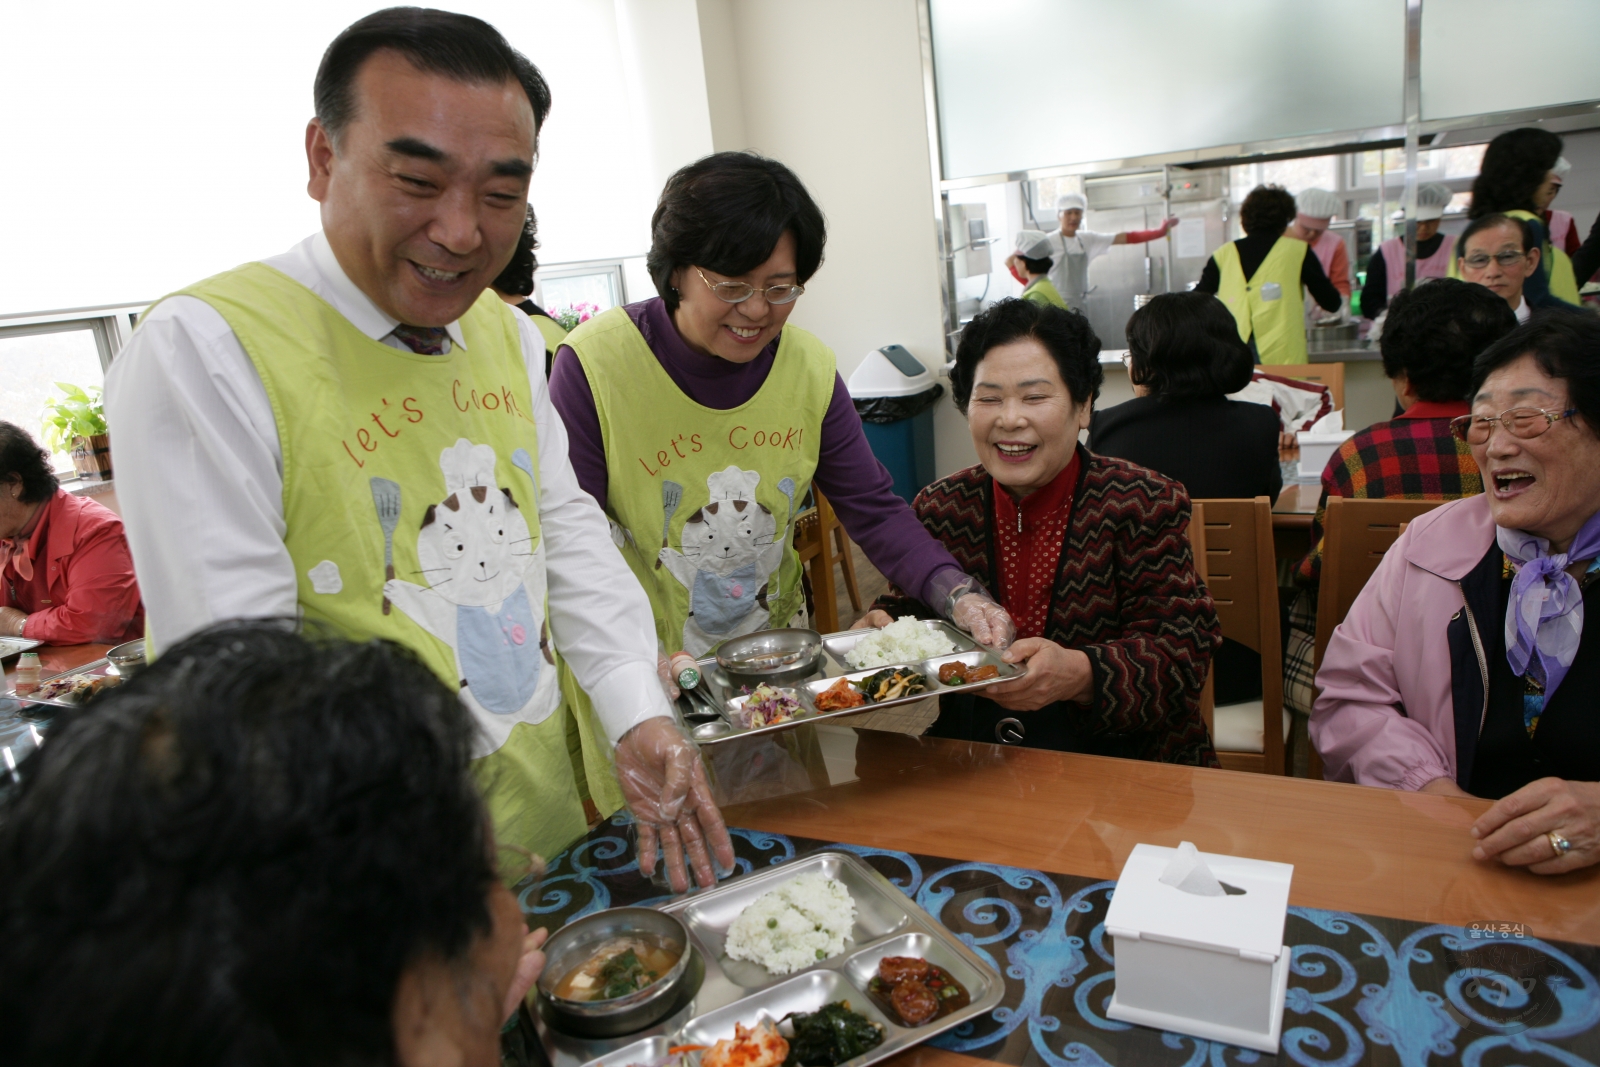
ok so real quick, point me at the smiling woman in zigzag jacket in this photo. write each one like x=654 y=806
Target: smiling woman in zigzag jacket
x=1465 y=666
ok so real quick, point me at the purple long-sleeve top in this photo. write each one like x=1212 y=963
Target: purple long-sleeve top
x=855 y=483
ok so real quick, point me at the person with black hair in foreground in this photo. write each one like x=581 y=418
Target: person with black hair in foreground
x=358 y=432
x=699 y=418
x=515 y=287
x=1184 y=358
x=266 y=848
x=1260 y=277
x=1089 y=554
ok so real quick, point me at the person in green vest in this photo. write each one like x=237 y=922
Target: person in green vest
x=358 y=432
x=1029 y=263
x=700 y=418
x=1260 y=276
x=515 y=287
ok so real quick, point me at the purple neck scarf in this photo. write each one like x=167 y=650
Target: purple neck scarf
x=1545 y=613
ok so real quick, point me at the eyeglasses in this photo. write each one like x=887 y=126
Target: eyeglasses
x=1480 y=260
x=1521 y=422
x=739 y=292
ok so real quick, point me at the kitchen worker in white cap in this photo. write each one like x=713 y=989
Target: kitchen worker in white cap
x=1073 y=248
x=1315 y=211
x=1030 y=264
x=358 y=432
x=1386 y=270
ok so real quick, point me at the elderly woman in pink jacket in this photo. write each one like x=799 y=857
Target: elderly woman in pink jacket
x=1465 y=666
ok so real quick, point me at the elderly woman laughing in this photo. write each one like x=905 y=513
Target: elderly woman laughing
x=1465 y=666
x=1089 y=555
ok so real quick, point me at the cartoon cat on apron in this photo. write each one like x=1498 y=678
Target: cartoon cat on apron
x=485 y=596
x=731 y=549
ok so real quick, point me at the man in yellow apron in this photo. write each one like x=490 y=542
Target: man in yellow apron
x=358 y=432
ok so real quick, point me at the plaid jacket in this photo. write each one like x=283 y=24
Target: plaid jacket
x=1126 y=594
x=1412 y=458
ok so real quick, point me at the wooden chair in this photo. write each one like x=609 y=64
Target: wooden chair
x=1328 y=374
x=820 y=540
x=1241 y=572
x=1197 y=549
x=1356 y=532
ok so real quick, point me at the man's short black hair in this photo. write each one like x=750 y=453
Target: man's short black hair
x=1267 y=210
x=1514 y=165
x=1566 y=344
x=233 y=857
x=1435 y=331
x=726 y=213
x=21 y=457
x=1066 y=335
x=517 y=278
x=1489 y=222
x=461 y=47
x=1186 y=346
x=1037 y=266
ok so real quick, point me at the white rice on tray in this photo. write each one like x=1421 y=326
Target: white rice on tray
x=806 y=919
x=902 y=641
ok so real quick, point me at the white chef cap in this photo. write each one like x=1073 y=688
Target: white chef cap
x=1432 y=199
x=1317 y=204
x=1071 y=202
x=1034 y=244
x=1563 y=165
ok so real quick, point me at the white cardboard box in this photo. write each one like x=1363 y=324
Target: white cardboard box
x=1213 y=967
x=1316 y=449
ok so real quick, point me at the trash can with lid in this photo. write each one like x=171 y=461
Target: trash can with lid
x=895 y=394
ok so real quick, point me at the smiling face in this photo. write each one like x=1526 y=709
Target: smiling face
x=1505 y=281
x=1547 y=485
x=424 y=197
x=734 y=332
x=1024 y=421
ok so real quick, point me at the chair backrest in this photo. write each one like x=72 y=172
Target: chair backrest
x=1356 y=532
x=1328 y=374
x=1242 y=576
x=1197 y=548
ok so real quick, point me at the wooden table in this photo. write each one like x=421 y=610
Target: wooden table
x=1354 y=848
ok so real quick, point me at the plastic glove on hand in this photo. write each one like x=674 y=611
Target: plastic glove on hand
x=986 y=621
x=665 y=786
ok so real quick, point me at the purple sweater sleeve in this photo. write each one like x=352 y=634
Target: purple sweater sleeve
x=861 y=491
x=574 y=402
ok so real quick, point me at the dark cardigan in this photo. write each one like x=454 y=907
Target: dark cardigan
x=1126 y=595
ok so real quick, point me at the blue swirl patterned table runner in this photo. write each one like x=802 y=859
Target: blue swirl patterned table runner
x=1363 y=989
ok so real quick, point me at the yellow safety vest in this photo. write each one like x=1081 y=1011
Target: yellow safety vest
x=1269 y=305
x=1043 y=291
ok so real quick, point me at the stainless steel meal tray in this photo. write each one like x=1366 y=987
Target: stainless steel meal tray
x=738 y=991
x=100 y=668
x=16 y=646
x=727 y=694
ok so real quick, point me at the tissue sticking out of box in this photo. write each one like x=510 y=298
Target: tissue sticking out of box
x=1332 y=422
x=1188 y=872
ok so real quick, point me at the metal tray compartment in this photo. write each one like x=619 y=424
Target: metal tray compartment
x=16 y=646
x=880 y=910
x=887 y=924
x=839 y=645
x=977 y=658
x=100 y=668
x=813 y=690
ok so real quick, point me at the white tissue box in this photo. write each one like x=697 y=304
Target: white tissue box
x=1316 y=449
x=1215 y=967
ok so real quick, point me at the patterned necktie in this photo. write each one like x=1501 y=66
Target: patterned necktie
x=423 y=340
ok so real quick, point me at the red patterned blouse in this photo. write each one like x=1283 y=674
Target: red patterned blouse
x=1028 y=536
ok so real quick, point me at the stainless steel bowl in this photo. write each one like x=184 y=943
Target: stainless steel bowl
x=128 y=658
x=572 y=944
x=771 y=655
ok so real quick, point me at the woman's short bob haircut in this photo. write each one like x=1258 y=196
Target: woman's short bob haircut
x=1566 y=344
x=1185 y=346
x=1435 y=331
x=1066 y=335
x=1267 y=210
x=23 y=459
x=725 y=213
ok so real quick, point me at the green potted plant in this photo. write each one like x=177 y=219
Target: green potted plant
x=77 y=422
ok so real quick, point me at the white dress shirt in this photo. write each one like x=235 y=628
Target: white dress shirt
x=200 y=481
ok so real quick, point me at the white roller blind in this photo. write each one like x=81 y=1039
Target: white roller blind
x=1039 y=83
x=1464 y=72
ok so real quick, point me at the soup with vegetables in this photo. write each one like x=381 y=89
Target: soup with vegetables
x=618 y=967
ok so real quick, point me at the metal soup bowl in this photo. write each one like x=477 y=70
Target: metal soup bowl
x=771 y=655
x=575 y=942
x=128 y=658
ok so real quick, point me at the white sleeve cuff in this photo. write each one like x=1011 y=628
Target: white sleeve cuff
x=627 y=696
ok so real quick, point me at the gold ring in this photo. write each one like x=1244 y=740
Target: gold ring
x=1560 y=845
